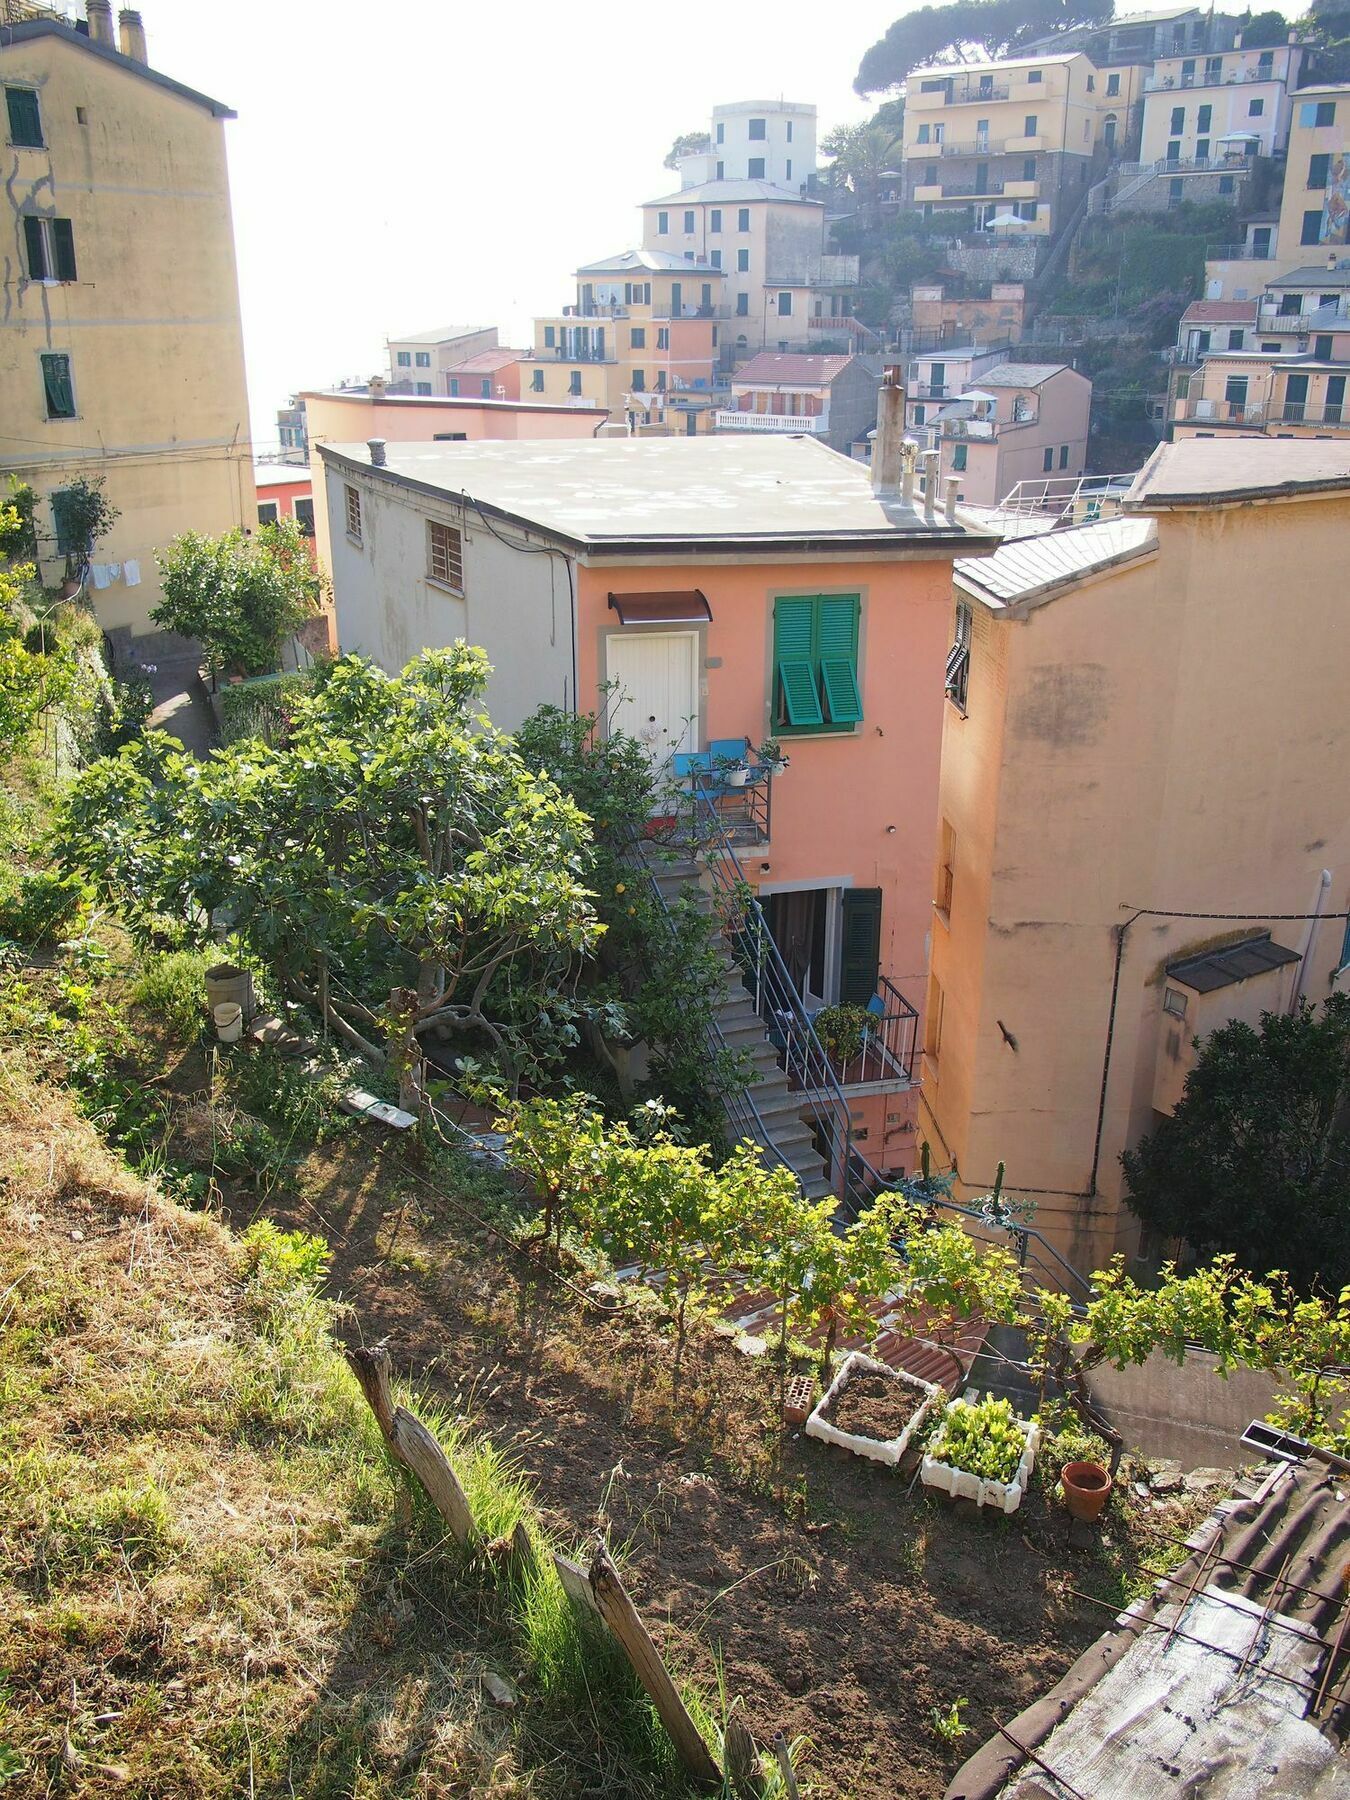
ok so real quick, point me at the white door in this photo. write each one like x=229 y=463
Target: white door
x=655 y=689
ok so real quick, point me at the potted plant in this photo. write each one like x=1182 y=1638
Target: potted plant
x=770 y=755
x=982 y=1452
x=843 y=1031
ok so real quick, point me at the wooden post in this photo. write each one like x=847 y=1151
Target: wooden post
x=419 y=1451
x=619 y=1613
x=742 y=1760
x=784 y=1755
x=372 y=1368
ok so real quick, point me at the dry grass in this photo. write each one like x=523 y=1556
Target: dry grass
x=202 y=1589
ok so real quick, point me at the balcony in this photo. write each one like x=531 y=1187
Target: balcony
x=596 y=309
x=932 y=390
x=980 y=146
x=883 y=1059
x=1235 y=163
x=1325 y=318
x=962 y=90
x=1203 y=409
x=969 y=190
x=985 y=429
x=843 y=325
x=802 y=424
x=579 y=354
x=1303 y=412
x=1240 y=252
x=1156 y=84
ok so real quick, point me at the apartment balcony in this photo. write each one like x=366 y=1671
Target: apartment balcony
x=970 y=190
x=963 y=429
x=980 y=146
x=1235 y=163
x=1326 y=318
x=561 y=353
x=1156 y=84
x=963 y=90
x=838 y=271
x=802 y=424
x=597 y=309
x=1305 y=413
x=1021 y=190
x=844 y=325
x=1240 y=252
x=1203 y=409
x=932 y=390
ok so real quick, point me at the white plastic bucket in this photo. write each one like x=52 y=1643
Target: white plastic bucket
x=229 y=1017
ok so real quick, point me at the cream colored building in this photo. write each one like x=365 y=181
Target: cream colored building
x=1215 y=109
x=1012 y=140
x=121 y=353
x=1144 y=762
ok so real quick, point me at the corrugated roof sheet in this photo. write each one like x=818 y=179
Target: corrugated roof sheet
x=1036 y=565
x=1221 y=968
x=773 y=365
x=1314 y=275
x=1015 y=374
x=1228 y=1679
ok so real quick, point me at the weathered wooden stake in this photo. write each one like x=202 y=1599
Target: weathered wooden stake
x=418 y=1450
x=784 y=1755
x=619 y=1613
x=742 y=1760
x=373 y=1370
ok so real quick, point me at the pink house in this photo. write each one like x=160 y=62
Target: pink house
x=285 y=491
x=1013 y=422
x=725 y=592
x=486 y=375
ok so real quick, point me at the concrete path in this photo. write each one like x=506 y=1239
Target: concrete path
x=180 y=706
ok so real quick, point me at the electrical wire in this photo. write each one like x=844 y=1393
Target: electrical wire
x=526 y=549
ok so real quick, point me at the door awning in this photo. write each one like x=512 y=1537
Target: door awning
x=685 y=607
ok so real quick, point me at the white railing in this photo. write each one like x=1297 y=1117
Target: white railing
x=1325 y=318
x=808 y=425
x=1069 y=499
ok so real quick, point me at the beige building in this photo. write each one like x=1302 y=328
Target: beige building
x=1144 y=762
x=1013 y=141
x=420 y=362
x=121 y=354
x=1209 y=111
x=1007 y=422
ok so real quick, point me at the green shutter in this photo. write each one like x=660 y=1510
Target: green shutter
x=63 y=244
x=65 y=540
x=25 y=121
x=860 y=945
x=794 y=660
x=837 y=650
x=57 y=387
x=841 y=690
x=37 y=250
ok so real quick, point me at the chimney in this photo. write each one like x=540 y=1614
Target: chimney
x=1332 y=264
x=952 y=486
x=377 y=455
x=99 y=15
x=890 y=433
x=932 y=460
x=377 y=386
x=131 y=35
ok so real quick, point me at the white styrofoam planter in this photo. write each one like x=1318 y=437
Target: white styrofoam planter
x=1003 y=1496
x=888 y=1450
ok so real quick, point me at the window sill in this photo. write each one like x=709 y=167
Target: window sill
x=444 y=587
x=957 y=707
x=358 y=543
x=941 y=912
x=807 y=734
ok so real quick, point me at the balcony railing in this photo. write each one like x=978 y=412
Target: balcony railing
x=1204 y=408
x=1240 y=252
x=1235 y=163
x=597 y=309
x=844 y=325
x=932 y=390
x=970 y=190
x=804 y=424
x=579 y=354
x=980 y=146
x=960 y=90
x=1301 y=412
x=1235 y=78
x=1326 y=318
x=888 y=1046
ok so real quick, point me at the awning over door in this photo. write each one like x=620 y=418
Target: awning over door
x=675 y=608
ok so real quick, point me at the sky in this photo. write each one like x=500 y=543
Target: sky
x=401 y=166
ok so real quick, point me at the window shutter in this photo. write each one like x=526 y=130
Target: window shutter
x=841 y=690
x=794 y=660
x=860 y=946
x=63 y=241
x=837 y=649
x=56 y=383
x=60 y=519
x=37 y=250
x=25 y=121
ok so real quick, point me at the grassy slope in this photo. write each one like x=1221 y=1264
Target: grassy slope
x=203 y=1587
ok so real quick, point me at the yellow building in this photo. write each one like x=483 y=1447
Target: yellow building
x=1144 y=760
x=642 y=338
x=121 y=353
x=1012 y=140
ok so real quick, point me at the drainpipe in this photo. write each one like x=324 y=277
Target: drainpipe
x=1309 y=939
x=1120 y=931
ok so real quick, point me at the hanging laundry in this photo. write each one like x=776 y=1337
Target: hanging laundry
x=131 y=573
x=99 y=575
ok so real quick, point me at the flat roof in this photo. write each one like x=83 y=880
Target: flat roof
x=1015 y=374
x=1311 y=276
x=1036 y=568
x=1202 y=471
x=449 y=402
x=445 y=335
x=675 y=494
x=279 y=474
x=1238 y=962
x=779 y=365
x=38 y=28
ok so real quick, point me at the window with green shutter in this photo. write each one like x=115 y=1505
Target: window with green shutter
x=57 y=387
x=859 y=945
x=815 y=658
x=36 y=244
x=25 y=121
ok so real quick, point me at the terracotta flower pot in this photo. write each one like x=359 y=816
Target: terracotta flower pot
x=1087 y=1488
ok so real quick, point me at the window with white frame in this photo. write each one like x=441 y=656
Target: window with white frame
x=445 y=554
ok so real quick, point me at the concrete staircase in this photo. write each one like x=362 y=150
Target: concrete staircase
x=775 y=1117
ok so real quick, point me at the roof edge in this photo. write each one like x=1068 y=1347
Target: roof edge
x=29 y=29
x=1050 y=590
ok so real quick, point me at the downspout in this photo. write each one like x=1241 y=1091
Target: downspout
x=1120 y=931
x=1310 y=939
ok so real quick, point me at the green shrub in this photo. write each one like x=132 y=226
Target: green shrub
x=172 y=985
x=262 y=708
x=43 y=907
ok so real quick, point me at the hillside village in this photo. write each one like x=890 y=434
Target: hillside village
x=675 y=1000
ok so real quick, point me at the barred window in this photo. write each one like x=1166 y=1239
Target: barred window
x=353 y=513
x=445 y=554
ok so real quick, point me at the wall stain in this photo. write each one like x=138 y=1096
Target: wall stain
x=1064 y=707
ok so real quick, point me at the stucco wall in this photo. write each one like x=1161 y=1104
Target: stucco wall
x=151 y=324
x=515 y=604
x=1168 y=744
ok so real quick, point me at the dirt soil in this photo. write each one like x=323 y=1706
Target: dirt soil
x=874 y=1406
x=847 y=1605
